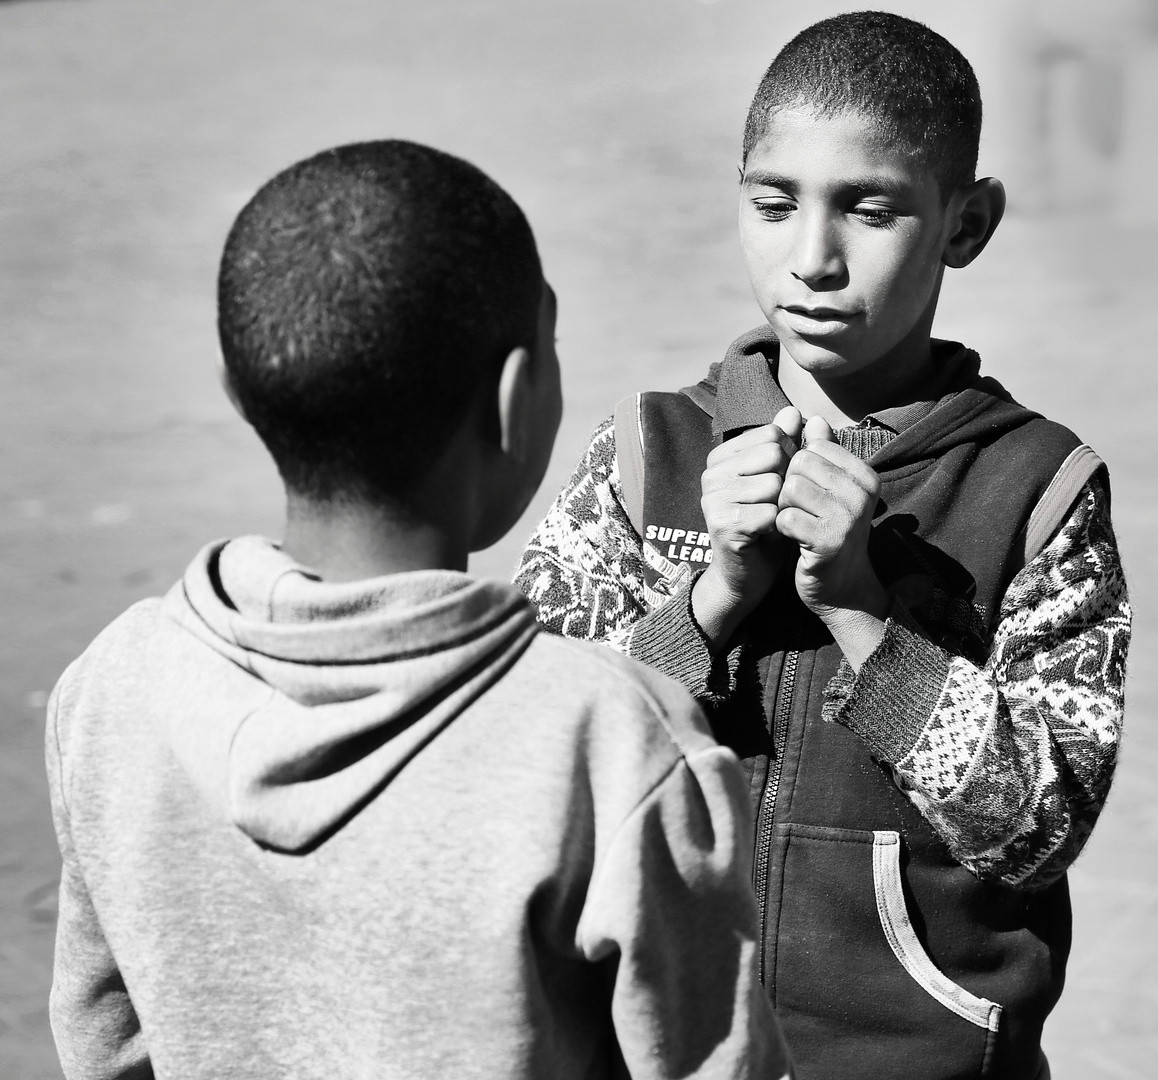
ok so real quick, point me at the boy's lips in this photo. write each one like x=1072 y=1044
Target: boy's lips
x=816 y=321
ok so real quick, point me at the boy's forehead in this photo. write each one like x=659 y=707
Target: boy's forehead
x=848 y=147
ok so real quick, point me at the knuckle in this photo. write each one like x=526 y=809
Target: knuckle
x=716 y=480
x=713 y=511
x=761 y=487
x=719 y=453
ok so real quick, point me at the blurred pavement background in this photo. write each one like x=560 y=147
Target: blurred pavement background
x=131 y=131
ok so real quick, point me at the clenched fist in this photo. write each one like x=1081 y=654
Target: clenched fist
x=741 y=484
x=826 y=504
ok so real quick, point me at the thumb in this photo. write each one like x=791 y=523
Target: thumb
x=817 y=430
x=790 y=422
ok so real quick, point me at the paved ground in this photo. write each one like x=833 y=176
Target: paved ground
x=132 y=132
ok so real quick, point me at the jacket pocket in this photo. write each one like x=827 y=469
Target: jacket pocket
x=856 y=991
x=902 y=939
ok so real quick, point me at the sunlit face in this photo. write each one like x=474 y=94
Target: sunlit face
x=843 y=237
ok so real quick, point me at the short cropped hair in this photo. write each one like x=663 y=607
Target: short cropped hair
x=917 y=89
x=363 y=297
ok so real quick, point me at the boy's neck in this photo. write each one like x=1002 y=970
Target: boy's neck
x=351 y=541
x=846 y=400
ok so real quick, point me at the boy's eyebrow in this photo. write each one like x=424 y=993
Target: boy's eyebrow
x=764 y=178
x=876 y=185
x=860 y=185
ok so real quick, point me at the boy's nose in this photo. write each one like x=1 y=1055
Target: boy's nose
x=816 y=254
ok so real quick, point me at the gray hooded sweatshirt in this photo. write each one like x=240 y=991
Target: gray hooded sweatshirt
x=388 y=829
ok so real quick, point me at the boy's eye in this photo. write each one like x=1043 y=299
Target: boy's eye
x=775 y=208
x=877 y=217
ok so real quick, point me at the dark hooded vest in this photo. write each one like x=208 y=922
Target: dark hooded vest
x=884 y=957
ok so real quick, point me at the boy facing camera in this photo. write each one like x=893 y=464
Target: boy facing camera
x=332 y=807
x=895 y=589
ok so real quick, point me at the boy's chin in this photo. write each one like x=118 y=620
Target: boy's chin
x=823 y=362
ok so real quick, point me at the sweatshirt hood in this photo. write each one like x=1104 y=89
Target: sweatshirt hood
x=742 y=391
x=328 y=688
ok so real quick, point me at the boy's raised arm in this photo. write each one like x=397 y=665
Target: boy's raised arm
x=583 y=568
x=827 y=508
x=584 y=565
x=741 y=485
x=1010 y=762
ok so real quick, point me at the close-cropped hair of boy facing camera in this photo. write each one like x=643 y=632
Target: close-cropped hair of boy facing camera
x=334 y=807
x=895 y=590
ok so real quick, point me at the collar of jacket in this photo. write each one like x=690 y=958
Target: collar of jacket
x=748 y=395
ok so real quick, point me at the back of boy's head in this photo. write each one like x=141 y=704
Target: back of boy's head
x=365 y=296
x=917 y=89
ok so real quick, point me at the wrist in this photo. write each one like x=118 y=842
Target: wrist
x=858 y=625
x=717 y=609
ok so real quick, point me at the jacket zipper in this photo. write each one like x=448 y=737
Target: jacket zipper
x=771 y=788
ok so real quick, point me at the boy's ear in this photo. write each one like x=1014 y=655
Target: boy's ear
x=982 y=206
x=515 y=403
x=227 y=386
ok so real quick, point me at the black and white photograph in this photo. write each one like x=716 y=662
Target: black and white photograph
x=550 y=539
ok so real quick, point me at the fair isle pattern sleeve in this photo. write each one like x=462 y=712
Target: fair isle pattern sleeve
x=1011 y=763
x=583 y=567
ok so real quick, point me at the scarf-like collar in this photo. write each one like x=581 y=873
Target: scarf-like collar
x=748 y=395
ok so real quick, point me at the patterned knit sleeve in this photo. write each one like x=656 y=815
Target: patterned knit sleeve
x=583 y=567
x=1011 y=762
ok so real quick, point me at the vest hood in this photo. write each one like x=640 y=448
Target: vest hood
x=970 y=409
x=326 y=690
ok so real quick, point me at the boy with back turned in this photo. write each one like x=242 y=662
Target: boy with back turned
x=896 y=590
x=334 y=808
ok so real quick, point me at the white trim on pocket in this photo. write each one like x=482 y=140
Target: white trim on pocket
x=902 y=938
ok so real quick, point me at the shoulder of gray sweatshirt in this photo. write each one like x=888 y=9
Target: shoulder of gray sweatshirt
x=389 y=829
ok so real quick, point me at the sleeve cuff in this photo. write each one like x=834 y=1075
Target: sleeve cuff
x=670 y=640
x=890 y=701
